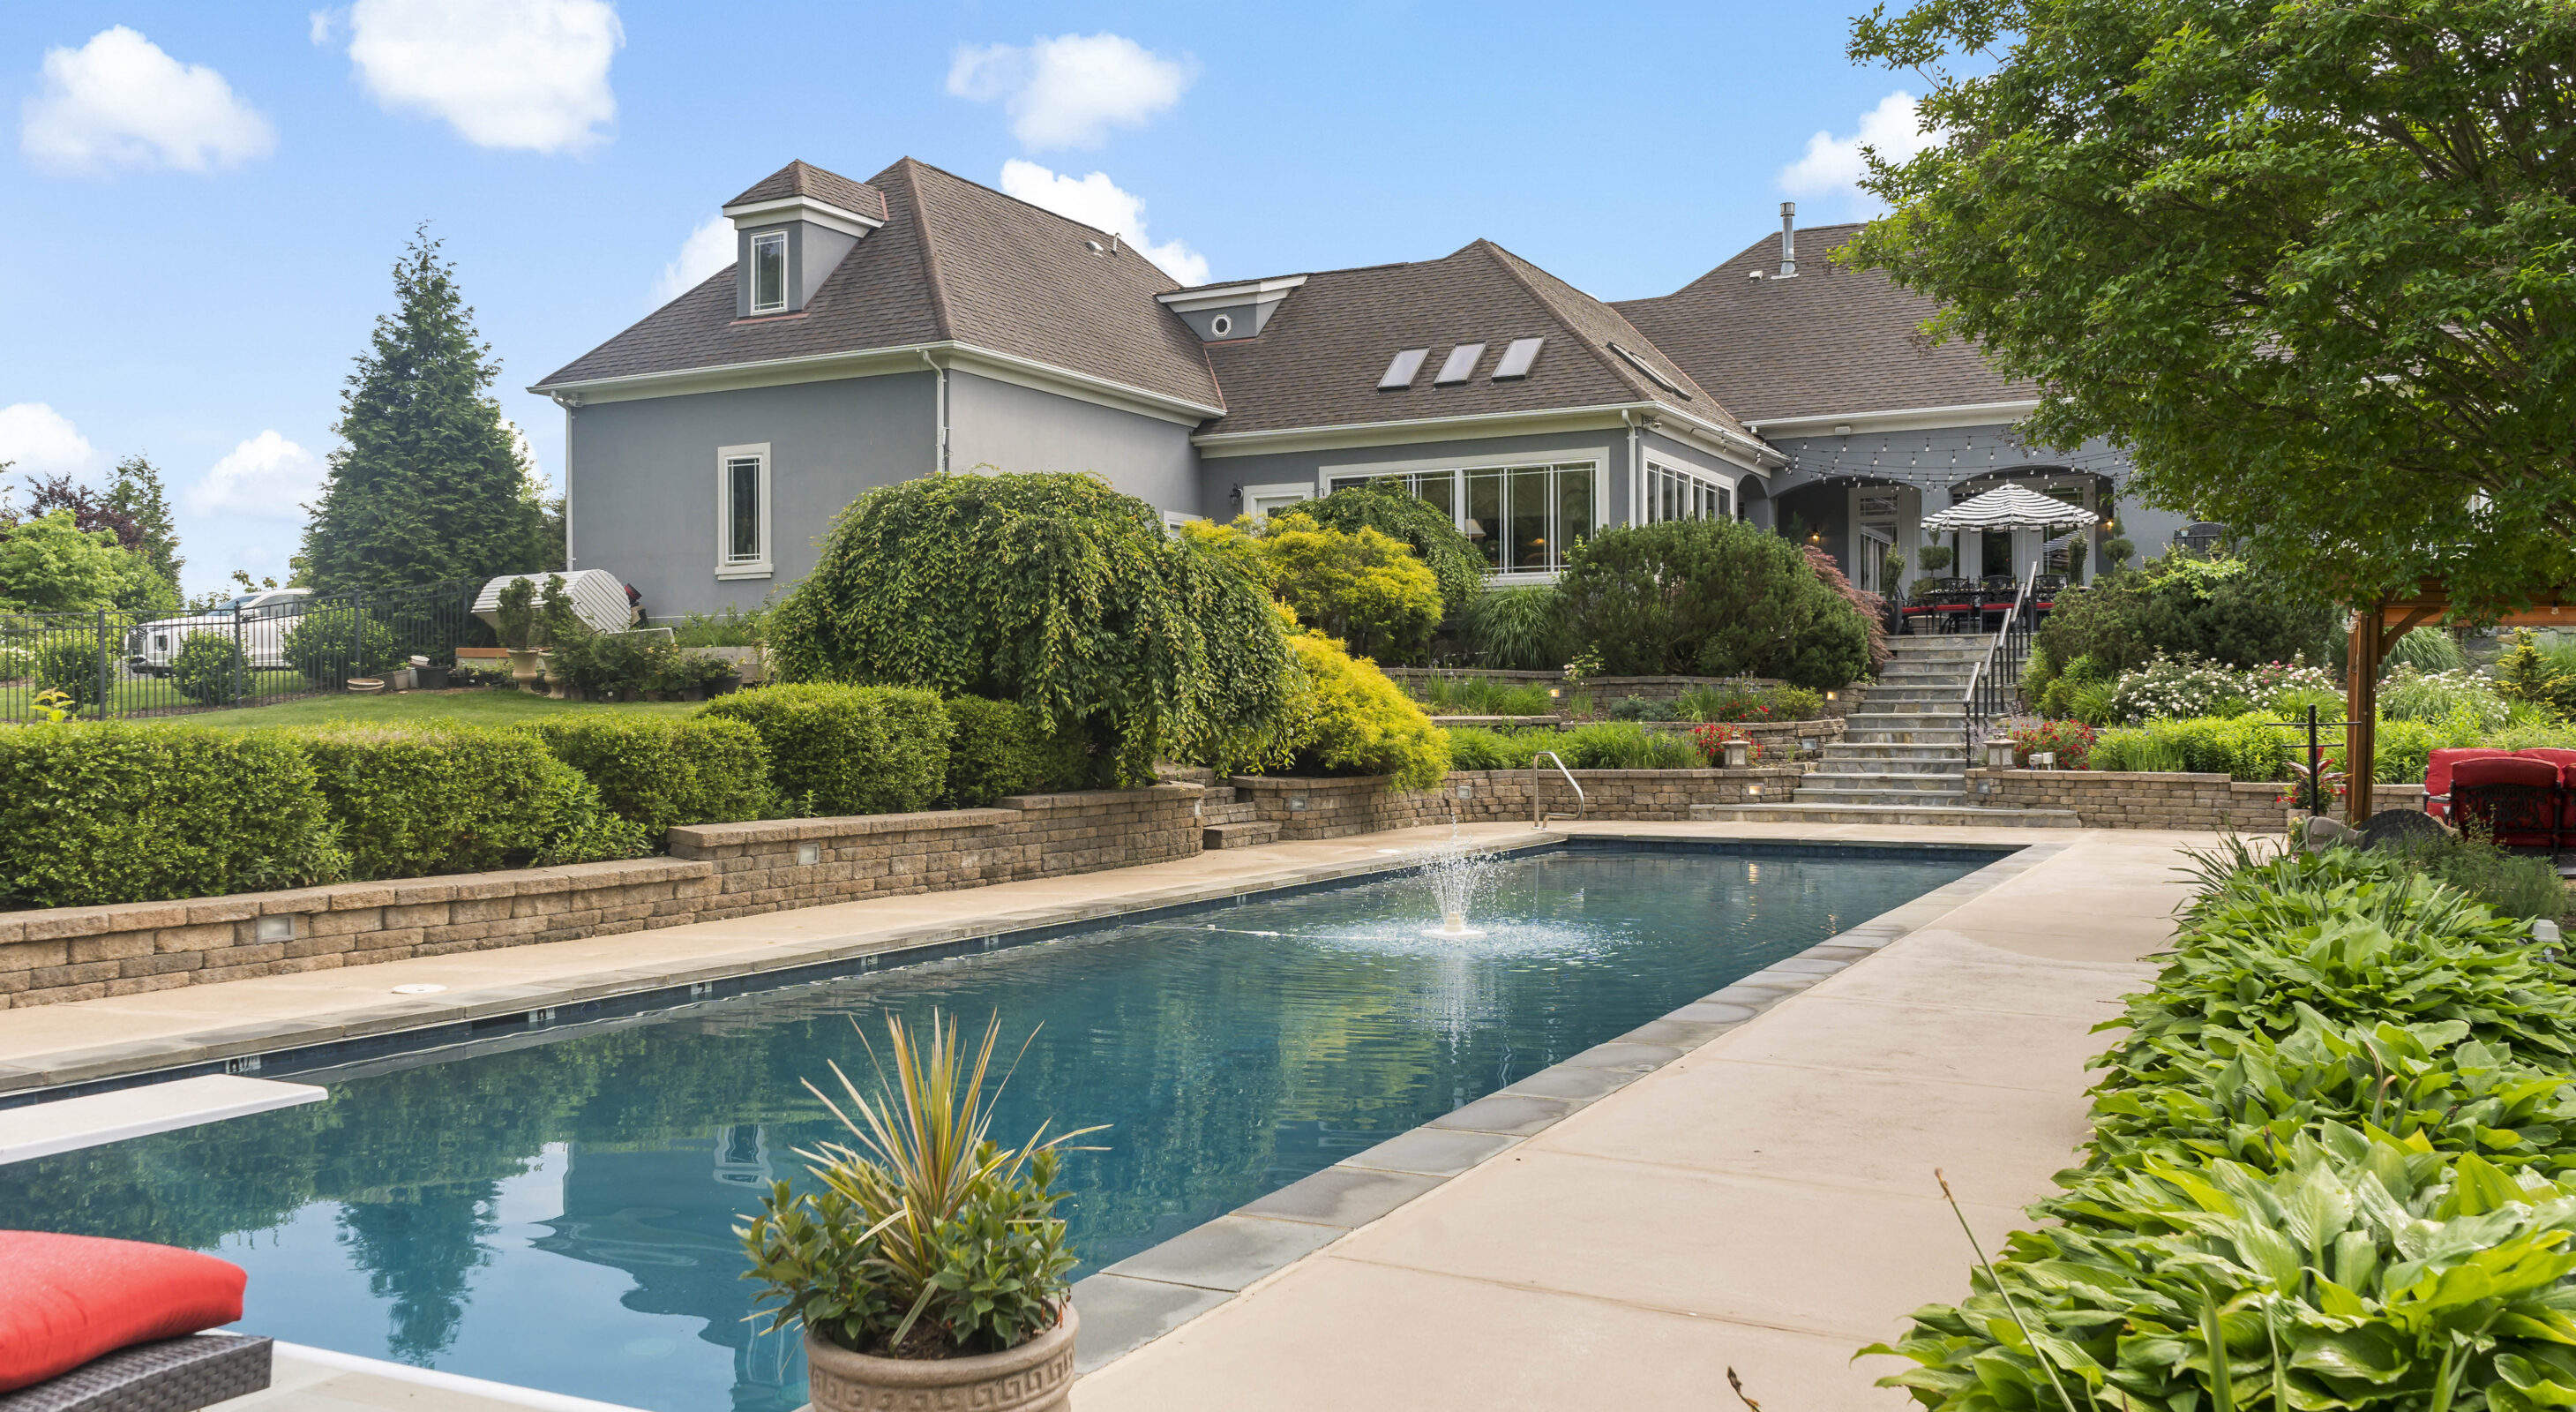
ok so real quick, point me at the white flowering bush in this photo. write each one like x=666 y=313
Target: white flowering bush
x=2412 y=694
x=2178 y=686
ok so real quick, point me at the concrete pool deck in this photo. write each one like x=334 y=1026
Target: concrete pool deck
x=1762 y=1200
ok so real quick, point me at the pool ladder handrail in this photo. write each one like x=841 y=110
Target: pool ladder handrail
x=1538 y=817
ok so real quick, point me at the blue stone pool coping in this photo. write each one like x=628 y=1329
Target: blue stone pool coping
x=1149 y=1294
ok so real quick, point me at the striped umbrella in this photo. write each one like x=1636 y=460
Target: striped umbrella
x=2009 y=507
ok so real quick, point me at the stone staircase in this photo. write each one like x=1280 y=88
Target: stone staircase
x=1225 y=821
x=1903 y=756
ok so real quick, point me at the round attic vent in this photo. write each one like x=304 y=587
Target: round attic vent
x=1221 y=325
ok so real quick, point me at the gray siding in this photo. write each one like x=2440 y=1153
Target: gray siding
x=641 y=477
x=1012 y=428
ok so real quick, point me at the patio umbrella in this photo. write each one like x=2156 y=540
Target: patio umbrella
x=2009 y=507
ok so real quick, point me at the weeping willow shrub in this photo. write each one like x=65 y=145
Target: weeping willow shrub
x=1060 y=594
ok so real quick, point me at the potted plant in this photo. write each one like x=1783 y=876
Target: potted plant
x=559 y=626
x=929 y=1267
x=1935 y=558
x=516 y=611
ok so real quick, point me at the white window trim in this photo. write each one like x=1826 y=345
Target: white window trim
x=785 y=275
x=1301 y=489
x=1646 y=479
x=728 y=567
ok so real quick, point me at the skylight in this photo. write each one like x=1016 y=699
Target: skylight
x=1641 y=365
x=1460 y=364
x=1401 y=372
x=1517 y=359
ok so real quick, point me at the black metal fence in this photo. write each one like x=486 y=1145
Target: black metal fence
x=256 y=650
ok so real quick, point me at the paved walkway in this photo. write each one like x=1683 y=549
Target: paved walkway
x=1765 y=1203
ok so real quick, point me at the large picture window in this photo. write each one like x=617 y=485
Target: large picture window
x=1522 y=518
x=1678 y=493
x=742 y=511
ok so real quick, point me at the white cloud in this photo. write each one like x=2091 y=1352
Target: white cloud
x=708 y=249
x=530 y=74
x=320 y=25
x=1070 y=90
x=1833 y=164
x=1097 y=201
x=265 y=478
x=43 y=442
x=118 y=101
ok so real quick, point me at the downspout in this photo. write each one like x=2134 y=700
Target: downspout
x=939 y=449
x=571 y=403
x=1636 y=470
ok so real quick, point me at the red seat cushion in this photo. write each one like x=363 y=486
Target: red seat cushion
x=2437 y=775
x=2516 y=825
x=66 y=1299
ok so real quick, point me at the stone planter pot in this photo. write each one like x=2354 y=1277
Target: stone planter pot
x=1037 y=1376
x=526 y=666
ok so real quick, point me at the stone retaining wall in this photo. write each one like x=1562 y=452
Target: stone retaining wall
x=1604 y=690
x=2141 y=799
x=715 y=871
x=1338 y=808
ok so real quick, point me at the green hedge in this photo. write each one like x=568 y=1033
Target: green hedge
x=421 y=800
x=95 y=813
x=657 y=772
x=1002 y=747
x=836 y=750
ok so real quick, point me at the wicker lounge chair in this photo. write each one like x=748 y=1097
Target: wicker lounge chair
x=172 y=1375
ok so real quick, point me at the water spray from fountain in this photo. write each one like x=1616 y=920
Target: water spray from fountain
x=1457 y=874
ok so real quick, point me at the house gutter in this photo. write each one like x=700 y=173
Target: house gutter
x=939 y=448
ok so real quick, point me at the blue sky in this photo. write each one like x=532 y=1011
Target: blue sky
x=202 y=202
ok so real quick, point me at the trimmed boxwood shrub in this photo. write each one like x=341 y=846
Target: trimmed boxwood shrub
x=417 y=800
x=657 y=772
x=836 y=750
x=103 y=813
x=1001 y=747
x=210 y=669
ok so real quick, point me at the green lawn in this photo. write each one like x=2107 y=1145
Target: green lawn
x=480 y=707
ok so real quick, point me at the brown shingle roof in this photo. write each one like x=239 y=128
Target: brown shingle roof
x=832 y=188
x=1318 y=361
x=954 y=261
x=1831 y=340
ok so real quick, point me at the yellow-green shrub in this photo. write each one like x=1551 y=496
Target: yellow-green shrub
x=1349 y=719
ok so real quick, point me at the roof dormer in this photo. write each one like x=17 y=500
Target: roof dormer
x=790 y=232
x=1219 y=313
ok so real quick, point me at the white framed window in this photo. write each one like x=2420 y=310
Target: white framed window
x=769 y=272
x=1522 y=518
x=1263 y=501
x=1674 y=492
x=742 y=512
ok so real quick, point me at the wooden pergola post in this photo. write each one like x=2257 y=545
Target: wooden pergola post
x=2362 y=656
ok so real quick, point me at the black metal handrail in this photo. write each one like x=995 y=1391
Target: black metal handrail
x=1994 y=687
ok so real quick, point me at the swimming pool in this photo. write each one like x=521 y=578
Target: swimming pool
x=554 y=1209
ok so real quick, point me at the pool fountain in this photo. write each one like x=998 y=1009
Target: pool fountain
x=1457 y=874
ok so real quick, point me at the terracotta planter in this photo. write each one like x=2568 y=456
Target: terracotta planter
x=1037 y=1376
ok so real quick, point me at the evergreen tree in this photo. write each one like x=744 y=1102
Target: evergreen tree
x=136 y=494
x=428 y=483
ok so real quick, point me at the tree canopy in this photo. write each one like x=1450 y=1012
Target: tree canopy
x=1058 y=593
x=2312 y=264
x=428 y=483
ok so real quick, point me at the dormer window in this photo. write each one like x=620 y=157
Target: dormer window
x=769 y=272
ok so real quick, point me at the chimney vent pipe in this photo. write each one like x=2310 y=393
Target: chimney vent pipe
x=1788 y=240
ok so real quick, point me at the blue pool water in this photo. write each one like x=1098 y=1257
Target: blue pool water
x=554 y=1209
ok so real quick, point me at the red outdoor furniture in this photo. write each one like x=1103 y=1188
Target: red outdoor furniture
x=2437 y=776
x=95 y=1325
x=2516 y=800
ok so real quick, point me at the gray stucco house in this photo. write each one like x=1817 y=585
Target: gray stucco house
x=916 y=322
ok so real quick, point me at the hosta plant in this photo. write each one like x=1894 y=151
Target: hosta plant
x=2366 y=1273
x=927 y=1239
